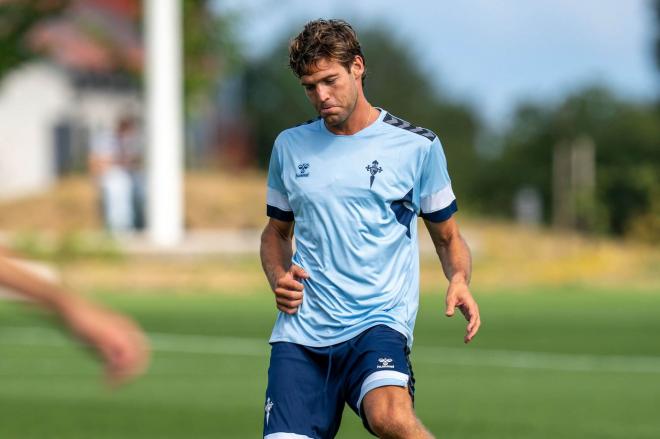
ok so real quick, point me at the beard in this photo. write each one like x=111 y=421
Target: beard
x=339 y=118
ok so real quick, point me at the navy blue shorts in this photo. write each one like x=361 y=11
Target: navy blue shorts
x=307 y=386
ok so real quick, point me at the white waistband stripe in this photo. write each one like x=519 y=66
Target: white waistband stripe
x=286 y=436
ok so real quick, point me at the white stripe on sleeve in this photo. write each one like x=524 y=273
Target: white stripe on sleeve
x=438 y=200
x=277 y=199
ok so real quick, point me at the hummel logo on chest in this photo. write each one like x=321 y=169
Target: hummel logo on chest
x=373 y=169
x=303 y=170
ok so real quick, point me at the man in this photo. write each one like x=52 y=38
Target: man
x=118 y=341
x=352 y=182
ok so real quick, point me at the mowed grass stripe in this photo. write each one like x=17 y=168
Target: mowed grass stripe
x=468 y=356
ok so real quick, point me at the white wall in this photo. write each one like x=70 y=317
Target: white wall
x=32 y=98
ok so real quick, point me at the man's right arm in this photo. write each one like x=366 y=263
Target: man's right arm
x=283 y=276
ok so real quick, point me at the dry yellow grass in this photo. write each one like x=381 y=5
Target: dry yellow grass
x=506 y=256
x=212 y=200
x=221 y=200
x=229 y=275
x=70 y=205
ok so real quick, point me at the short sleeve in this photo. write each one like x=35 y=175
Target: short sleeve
x=277 y=200
x=437 y=200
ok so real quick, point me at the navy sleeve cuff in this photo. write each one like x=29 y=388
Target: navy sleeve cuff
x=441 y=215
x=279 y=214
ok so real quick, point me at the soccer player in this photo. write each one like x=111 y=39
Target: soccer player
x=118 y=341
x=353 y=182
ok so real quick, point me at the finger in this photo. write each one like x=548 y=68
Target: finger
x=474 y=330
x=286 y=309
x=122 y=367
x=451 y=305
x=290 y=284
x=299 y=272
x=288 y=303
x=471 y=315
x=465 y=310
x=288 y=294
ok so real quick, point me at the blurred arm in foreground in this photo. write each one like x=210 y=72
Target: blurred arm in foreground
x=118 y=341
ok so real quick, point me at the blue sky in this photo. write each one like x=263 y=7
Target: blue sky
x=491 y=53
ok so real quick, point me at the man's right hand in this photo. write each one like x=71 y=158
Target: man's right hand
x=289 y=291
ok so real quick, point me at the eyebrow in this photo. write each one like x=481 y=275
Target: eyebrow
x=324 y=78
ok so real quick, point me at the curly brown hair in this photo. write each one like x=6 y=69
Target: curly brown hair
x=324 y=39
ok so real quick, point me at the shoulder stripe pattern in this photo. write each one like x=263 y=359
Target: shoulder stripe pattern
x=400 y=123
x=309 y=121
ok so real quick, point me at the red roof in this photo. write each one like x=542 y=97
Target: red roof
x=93 y=35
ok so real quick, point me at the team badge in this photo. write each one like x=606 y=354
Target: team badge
x=373 y=169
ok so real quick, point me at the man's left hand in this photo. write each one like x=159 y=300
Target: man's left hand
x=459 y=296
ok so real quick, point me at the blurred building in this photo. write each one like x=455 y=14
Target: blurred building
x=84 y=82
x=48 y=116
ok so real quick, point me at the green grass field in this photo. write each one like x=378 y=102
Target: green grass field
x=573 y=363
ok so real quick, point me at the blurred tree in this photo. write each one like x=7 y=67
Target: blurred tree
x=656 y=7
x=395 y=81
x=627 y=158
x=17 y=19
x=210 y=50
x=211 y=55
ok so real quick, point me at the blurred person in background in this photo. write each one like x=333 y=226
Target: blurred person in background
x=116 y=339
x=116 y=162
x=353 y=182
x=131 y=146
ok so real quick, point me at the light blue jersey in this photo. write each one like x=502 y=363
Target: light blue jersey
x=355 y=200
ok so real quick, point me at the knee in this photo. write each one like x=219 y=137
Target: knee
x=392 y=421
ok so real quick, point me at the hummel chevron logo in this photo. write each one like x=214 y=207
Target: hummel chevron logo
x=373 y=169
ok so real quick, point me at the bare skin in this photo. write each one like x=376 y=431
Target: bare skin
x=337 y=95
x=456 y=263
x=390 y=414
x=116 y=339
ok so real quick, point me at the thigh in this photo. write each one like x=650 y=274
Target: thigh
x=380 y=359
x=300 y=401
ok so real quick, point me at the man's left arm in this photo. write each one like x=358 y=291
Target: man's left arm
x=457 y=265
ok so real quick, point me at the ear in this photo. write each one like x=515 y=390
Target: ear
x=358 y=67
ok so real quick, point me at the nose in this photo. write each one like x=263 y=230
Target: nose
x=322 y=93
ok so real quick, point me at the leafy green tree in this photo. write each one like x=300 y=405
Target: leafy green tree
x=17 y=19
x=210 y=50
x=627 y=156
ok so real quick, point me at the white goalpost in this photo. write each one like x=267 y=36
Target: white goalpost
x=164 y=121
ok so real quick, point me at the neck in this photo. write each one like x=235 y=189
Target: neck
x=362 y=116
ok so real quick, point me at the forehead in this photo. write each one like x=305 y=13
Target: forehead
x=323 y=68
